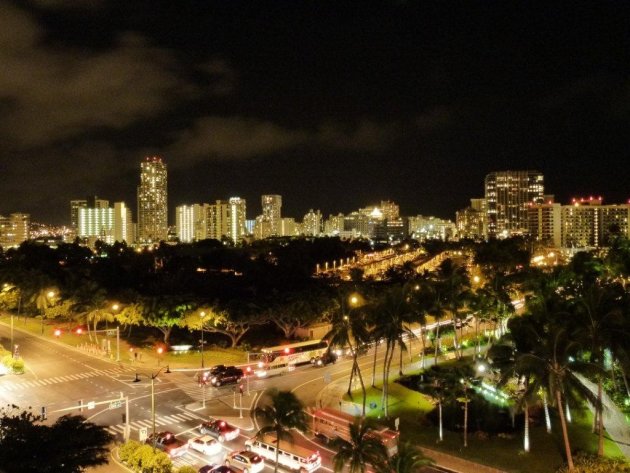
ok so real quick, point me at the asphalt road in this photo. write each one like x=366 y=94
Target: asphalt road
x=62 y=379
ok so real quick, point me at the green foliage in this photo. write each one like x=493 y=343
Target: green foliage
x=362 y=450
x=16 y=365
x=592 y=464
x=68 y=446
x=186 y=469
x=141 y=458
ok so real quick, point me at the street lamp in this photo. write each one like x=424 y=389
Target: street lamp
x=160 y=350
x=49 y=295
x=202 y=315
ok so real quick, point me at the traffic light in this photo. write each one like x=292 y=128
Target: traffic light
x=44 y=413
x=57 y=332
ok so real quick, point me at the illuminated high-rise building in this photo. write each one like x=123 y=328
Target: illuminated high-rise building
x=152 y=201
x=236 y=219
x=14 y=229
x=123 y=223
x=271 y=212
x=191 y=222
x=312 y=223
x=508 y=195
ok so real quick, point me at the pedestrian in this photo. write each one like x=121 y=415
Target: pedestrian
x=135 y=356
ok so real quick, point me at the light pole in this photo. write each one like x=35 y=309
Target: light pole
x=49 y=295
x=115 y=308
x=202 y=315
x=153 y=376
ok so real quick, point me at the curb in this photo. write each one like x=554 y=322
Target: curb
x=113 y=454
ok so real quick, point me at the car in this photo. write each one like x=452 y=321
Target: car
x=168 y=443
x=216 y=469
x=220 y=430
x=230 y=375
x=246 y=461
x=205 y=444
x=325 y=359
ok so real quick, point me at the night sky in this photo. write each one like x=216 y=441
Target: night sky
x=334 y=105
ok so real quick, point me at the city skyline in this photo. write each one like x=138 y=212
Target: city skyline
x=330 y=106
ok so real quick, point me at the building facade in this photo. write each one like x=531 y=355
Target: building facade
x=272 y=213
x=14 y=230
x=152 y=201
x=508 y=195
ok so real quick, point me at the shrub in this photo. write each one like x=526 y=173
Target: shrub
x=18 y=366
x=585 y=463
x=141 y=458
x=187 y=469
x=127 y=449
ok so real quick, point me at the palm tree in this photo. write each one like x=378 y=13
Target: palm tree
x=547 y=364
x=285 y=412
x=349 y=330
x=408 y=460
x=395 y=313
x=91 y=306
x=601 y=319
x=455 y=286
x=362 y=449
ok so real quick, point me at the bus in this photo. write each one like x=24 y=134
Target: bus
x=283 y=358
x=330 y=424
x=290 y=455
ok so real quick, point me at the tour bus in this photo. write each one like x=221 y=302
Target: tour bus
x=290 y=455
x=284 y=358
x=331 y=423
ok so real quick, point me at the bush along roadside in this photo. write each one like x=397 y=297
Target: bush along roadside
x=11 y=364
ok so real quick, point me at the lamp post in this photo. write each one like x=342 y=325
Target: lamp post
x=202 y=315
x=160 y=350
x=153 y=376
x=115 y=308
x=49 y=295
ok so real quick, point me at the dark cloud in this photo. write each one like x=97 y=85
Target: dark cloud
x=54 y=94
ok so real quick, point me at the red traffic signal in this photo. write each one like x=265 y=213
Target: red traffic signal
x=57 y=332
x=287 y=350
x=79 y=331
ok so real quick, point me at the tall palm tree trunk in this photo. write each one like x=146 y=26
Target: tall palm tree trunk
x=437 y=344
x=546 y=409
x=424 y=347
x=400 y=366
x=466 y=420
x=441 y=428
x=600 y=418
x=374 y=365
x=565 y=432
x=526 y=429
x=386 y=384
x=363 y=390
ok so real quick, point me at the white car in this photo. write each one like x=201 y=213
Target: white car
x=205 y=444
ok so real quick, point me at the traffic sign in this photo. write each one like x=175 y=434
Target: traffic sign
x=143 y=433
x=91 y=405
x=115 y=404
